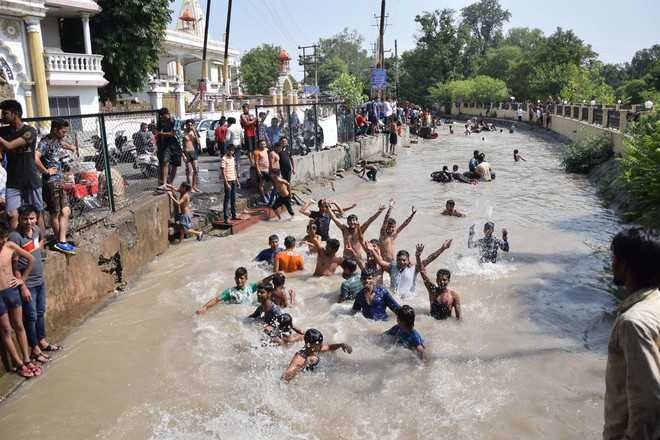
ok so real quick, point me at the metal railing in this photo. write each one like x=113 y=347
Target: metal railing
x=113 y=164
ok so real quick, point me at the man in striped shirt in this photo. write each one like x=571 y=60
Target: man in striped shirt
x=229 y=173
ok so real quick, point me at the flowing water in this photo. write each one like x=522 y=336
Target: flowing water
x=527 y=361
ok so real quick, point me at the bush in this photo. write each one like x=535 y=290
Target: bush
x=640 y=170
x=492 y=114
x=582 y=157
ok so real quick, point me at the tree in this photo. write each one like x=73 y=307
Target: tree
x=614 y=74
x=485 y=20
x=564 y=47
x=525 y=38
x=259 y=69
x=643 y=61
x=343 y=52
x=482 y=89
x=129 y=34
x=330 y=70
x=586 y=84
x=631 y=91
x=500 y=62
x=349 y=88
x=487 y=90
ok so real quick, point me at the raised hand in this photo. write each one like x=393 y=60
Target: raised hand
x=419 y=249
x=347 y=348
x=446 y=245
x=413 y=210
x=391 y=204
x=505 y=233
x=472 y=230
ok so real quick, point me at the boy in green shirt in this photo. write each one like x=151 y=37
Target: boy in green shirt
x=242 y=293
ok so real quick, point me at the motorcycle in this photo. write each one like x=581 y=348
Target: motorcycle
x=123 y=151
x=148 y=164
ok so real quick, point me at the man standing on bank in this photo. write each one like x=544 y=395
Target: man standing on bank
x=632 y=380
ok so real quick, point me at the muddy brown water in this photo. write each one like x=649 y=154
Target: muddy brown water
x=527 y=361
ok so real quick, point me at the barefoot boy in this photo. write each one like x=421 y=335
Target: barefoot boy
x=283 y=189
x=183 y=217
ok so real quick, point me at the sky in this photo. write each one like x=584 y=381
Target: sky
x=613 y=31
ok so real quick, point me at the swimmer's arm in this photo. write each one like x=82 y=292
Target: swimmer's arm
x=256 y=314
x=333 y=347
x=379 y=259
x=457 y=304
x=437 y=253
x=297 y=330
x=348 y=208
x=297 y=363
x=276 y=266
x=305 y=209
x=471 y=241
x=421 y=353
x=364 y=226
x=212 y=302
x=336 y=221
x=386 y=218
x=408 y=220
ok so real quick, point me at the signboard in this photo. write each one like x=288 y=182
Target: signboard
x=378 y=78
x=312 y=90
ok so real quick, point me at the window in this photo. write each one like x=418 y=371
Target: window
x=66 y=106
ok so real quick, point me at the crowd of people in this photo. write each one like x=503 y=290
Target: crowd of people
x=30 y=173
x=363 y=263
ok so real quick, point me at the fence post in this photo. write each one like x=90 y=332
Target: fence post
x=316 y=127
x=106 y=164
x=288 y=123
x=337 y=121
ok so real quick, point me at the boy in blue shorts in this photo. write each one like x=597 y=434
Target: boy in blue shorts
x=404 y=333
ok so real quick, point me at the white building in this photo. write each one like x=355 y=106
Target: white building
x=46 y=57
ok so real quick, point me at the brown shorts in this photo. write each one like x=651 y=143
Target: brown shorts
x=55 y=197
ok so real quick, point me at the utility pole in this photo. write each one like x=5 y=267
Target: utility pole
x=396 y=71
x=205 y=65
x=381 y=34
x=225 y=66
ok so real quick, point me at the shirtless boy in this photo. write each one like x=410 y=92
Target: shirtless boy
x=450 y=210
x=283 y=189
x=190 y=141
x=282 y=333
x=183 y=216
x=442 y=299
x=308 y=358
x=353 y=231
x=389 y=232
x=11 y=313
x=327 y=260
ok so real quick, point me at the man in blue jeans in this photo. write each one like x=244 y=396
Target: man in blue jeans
x=230 y=175
x=27 y=237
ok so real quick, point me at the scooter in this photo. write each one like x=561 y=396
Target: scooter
x=148 y=164
x=124 y=151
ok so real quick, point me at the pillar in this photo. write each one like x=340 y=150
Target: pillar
x=180 y=100
x=623 y=120
x=86 y=34
x=605 y=116
x=291 y=98
x=179 y=70
x=156 y=100
x=36 y=49
x=273 y=95
x=29 y=108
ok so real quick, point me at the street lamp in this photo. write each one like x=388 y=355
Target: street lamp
x=648 y=105
x=565 y=101
x=593 y=102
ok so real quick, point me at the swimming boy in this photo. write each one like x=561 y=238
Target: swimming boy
x=517 y=156
x=489 y=245
x=352 y=284
x=367 y=169
x=404 y=333
x=282 y=333
x=242 y=293
x=327 y=260
x=283 y=192
x=280 y=296
x=287 y=260
x=353 y=231
x=461 y=177
x=450 y=210
x=403 y=274
x=373 y=300
x=267 y=311
x=271 y=251
x=308 y=358
x=441 y=299
x=183 y=217
x=389 y=232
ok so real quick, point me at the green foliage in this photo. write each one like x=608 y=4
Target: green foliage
x=330 y=70
x=341 y=53
x=500 y=62
x=128 y=34
x=349 y=88
x=586 y=84
x=631 y=91
x=482 y=89
x=640 y=169
x=582 y=157
x=485 y=20
x=487 y=89
x=259 y=69
x=643 y=61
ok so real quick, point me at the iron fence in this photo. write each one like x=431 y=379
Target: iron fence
x=613 y=119
x=576 y=112
x=584 y=115
x=598 y=116
x=113 y=161
x=307 y=127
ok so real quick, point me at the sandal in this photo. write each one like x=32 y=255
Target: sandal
x=23 y=371
x=52 y=347
x=40 y=357
x=36 y=371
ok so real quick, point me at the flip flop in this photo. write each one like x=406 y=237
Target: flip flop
x=36 y=371
x=52 y=347
x=41 y=358
x=23 y=371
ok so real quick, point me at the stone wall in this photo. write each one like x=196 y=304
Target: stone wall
x=110 y=254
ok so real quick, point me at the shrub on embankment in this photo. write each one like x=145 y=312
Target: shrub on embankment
x=583 y=156
x=640 y=170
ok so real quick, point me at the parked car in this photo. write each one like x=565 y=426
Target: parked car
x=202 y=126
x=210 y=137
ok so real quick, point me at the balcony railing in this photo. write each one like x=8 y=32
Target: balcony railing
x=73 y=62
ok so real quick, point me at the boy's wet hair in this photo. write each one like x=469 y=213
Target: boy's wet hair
x=445 y=168
x=4 y=229
x=403 y=253
x=240 y=272
x=273 y=237
x=489 y=225
x=265 y=286
x=455 y=167
x=25 y=210
x=284 y=321
x=349 y=265
x=185 y=186
x=515 y=151
x=313 y=337
x=368 y=273
x=58 y=123
x=189 y=121
x=391 y=221
x=278 y=279
x=351 y=217
x=231 y=120
x=164 y=111
x=333 y=244
x=443 y=272
x=475 y=153
x=289 y=241
x=639 y=250
x=451 y=203
x=406 y=315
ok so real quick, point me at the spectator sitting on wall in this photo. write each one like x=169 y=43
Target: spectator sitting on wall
x=48 y=162
x=18 y=142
